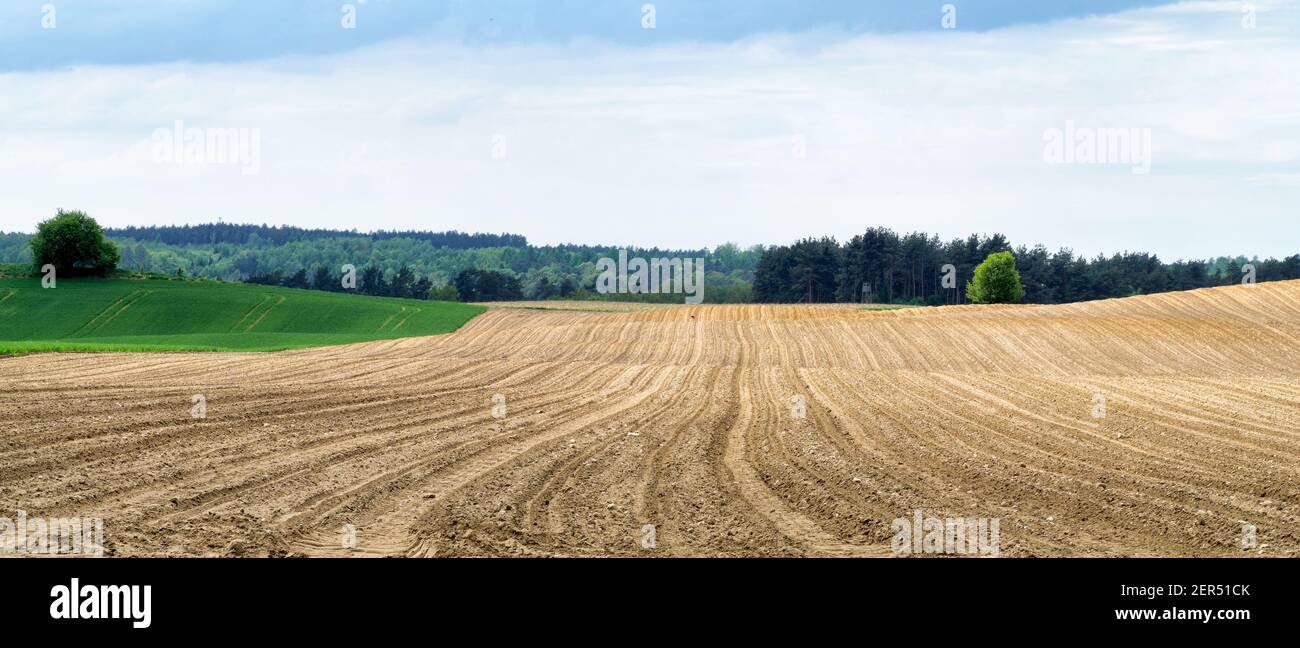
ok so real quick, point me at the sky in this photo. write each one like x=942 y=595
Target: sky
x=676 y=124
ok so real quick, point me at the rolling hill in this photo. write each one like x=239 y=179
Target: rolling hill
x=163 y=315
x=1146 y=426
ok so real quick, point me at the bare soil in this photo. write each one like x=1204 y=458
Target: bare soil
x=687 y=418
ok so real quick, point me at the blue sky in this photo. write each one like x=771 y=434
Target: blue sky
x=152 y=31
x=749 y=122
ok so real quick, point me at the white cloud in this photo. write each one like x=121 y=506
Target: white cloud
x=691 y=145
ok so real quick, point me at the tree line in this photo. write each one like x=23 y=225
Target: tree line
x=470 y=285
x=244 y=234
x=881 y=266
x=369 y=281
x=875 y=266
x=543 y=272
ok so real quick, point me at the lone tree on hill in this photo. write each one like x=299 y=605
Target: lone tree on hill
x=996 y=281
x=74 y=244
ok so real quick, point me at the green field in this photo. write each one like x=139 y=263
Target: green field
x=162 y=315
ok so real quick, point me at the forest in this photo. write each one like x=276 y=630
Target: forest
x=877 y=266
x=400 y=264
x=881 y=266
x=240 y=234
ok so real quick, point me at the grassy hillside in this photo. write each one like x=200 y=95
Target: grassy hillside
x=161 y=315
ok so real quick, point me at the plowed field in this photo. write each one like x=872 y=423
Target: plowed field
x=1155 y=425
